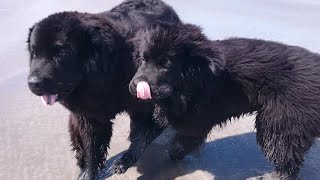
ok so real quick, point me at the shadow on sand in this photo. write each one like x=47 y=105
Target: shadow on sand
x=235 y=157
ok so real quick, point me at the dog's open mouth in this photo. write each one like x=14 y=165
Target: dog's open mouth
x=144 y=91
x=50 y=99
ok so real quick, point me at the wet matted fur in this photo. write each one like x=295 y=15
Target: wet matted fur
x=85 y=59
x=197 y=83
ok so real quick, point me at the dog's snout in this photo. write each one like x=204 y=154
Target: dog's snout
x=133 y=86
x=136 y=81
x=38 y=85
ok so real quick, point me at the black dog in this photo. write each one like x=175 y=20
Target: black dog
x=84 y=62
x=196 y=84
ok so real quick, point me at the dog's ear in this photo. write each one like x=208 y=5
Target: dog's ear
x=216 y=65
x=206 y=53
x=101 y=44
x=88 y=49
x=212 y=58
x=28 y=42
x=29 y=36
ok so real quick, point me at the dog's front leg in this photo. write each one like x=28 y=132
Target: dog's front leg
x=90 y=139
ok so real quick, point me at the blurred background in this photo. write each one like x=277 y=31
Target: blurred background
x=34 y=141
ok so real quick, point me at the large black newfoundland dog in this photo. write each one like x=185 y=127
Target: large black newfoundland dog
x=84 y=62
x=196 y=84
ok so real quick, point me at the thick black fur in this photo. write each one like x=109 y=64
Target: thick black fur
x=197 y=84
x=86 y=60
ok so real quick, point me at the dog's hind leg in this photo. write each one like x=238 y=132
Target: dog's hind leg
x=285 y=135
x=182 y=145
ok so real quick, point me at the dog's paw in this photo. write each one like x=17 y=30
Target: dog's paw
x=122 y=164
x=264 y=177
x=274 y=176
x=118 y=167
x=86 y=175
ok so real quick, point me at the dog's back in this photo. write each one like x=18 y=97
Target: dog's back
x=271 y=69
x=131 y=15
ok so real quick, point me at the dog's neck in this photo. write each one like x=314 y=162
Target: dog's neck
x=226 y=98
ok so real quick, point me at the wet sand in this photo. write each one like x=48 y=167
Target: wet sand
x=34 y=140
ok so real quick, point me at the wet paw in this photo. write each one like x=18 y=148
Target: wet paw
x=122 y=164
x=274 y=176
x=86 y=175
x=118 y=167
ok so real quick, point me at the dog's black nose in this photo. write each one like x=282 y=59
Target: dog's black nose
x=38 y=85
x=34 y=81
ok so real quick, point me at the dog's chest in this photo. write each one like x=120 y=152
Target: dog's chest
x=193 y=122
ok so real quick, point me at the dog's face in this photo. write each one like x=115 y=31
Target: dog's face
x=56 y=46
x=160 y=76
x=166 y=60
x=155 y=64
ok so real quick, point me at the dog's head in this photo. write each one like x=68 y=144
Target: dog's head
x=61 y=52
x=172 y=58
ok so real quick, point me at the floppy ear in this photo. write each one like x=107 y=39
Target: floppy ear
x=100 y=44
x=29 y=36
x=201 y=48
x=212 y=58
x=28 y=42
x=216 y=65
x=207 y=50
x=87 y=49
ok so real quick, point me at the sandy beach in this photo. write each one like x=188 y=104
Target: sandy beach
x=34 y=139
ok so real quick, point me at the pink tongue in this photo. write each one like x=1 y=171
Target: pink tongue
x=49 y=99
x=143 y=90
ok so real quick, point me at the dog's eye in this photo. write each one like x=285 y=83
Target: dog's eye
x=165 y=63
